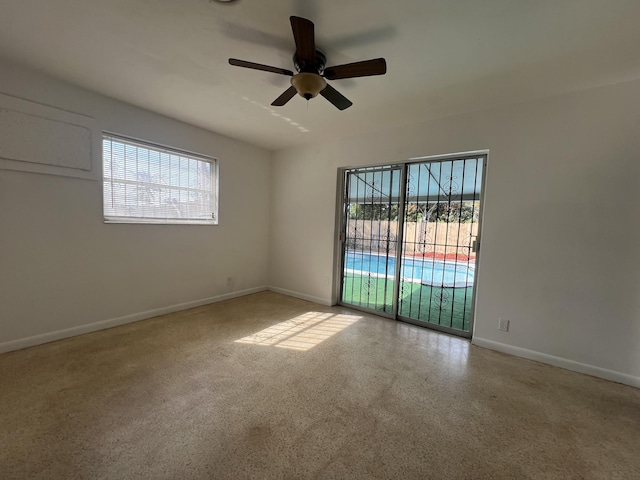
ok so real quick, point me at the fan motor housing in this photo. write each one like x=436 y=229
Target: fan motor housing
x=317 y=67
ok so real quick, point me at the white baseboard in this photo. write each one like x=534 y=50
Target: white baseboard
x=481 y=342
x=114 y=322
x=559 y=362
x=302 y=296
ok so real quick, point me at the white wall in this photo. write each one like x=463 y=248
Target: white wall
x=63 y=271
x=563 y=175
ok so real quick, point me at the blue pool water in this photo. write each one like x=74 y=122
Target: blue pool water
x=425 y=271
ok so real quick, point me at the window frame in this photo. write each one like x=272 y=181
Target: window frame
x=214 y=188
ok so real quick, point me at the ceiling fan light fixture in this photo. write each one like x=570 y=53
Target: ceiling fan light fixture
x=308 y=85
x=310 y=63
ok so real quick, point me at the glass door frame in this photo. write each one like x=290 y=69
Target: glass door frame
x=340 y=243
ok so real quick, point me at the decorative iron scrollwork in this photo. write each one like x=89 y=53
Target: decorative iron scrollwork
x=411 y=188
x=441 y=297
x=373 y=192
x=405 y=290
x=451 y=187
x=367 y=285
x=387 y=242
x=425 y=238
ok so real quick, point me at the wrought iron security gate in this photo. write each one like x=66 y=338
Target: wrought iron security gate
x=409 y=239
x=370 y=243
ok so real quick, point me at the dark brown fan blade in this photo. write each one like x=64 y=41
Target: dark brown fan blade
x=335 y=97
x=303 y=34
x=366 y=68
x=285 y=97
x=259 y=66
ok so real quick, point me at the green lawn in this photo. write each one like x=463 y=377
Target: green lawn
x=450 y=307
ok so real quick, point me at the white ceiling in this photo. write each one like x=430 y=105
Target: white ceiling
x=443 y=56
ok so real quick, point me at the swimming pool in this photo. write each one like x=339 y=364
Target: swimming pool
x=414 y=270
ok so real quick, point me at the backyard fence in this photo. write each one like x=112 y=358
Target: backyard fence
x=429 y=239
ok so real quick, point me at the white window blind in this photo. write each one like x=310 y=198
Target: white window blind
x=145 y=183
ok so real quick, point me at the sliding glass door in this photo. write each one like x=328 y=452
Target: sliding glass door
x=370 y=237
x=409 y=241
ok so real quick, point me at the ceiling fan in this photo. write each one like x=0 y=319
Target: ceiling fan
x=309 y=62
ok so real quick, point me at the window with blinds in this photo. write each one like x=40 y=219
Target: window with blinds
x=145 y=183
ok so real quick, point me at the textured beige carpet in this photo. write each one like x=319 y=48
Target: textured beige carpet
x=268 y=386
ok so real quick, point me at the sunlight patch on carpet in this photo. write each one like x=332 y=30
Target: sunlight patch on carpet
x=302 y=332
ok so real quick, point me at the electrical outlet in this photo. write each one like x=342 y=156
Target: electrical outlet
x=229 y=281
x=503 y=325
